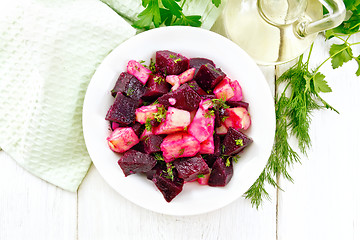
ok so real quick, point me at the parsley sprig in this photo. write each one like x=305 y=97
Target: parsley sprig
x=300 y=97
x=166 y=12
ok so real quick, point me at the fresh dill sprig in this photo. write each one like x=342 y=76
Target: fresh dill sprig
x=293 y=109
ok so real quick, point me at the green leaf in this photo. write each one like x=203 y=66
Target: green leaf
x=151 y=14
x=173 y=7
x=320 y=84
x=166 y=16
x=216 y=2
x=330 y=34
x=351 y=4
x=340 y=53
x=352 y=24
x=358 y=62
x=193 y=20
x=145 y=3
x=145 y=19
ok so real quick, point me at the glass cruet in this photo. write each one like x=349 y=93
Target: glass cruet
x=277 y=31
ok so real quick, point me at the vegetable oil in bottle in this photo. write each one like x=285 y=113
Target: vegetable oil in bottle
x=275 y=31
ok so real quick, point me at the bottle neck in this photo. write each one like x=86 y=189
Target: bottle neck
x=281 y=12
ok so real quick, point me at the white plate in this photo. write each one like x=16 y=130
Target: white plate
x=190 y=42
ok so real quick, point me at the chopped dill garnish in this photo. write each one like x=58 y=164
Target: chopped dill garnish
x=181 y=151
x=152 y=66
x=148 y=125
x=158 y=157
x=239 y=142
x=224 y=118
x=160 y=114
x=228 y=161
x=219 y=103
x=169 y=171
x=209 y=113
x=159 y=79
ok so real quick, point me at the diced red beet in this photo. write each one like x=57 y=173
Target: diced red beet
x=238 y=104
x=223 y=90
x=138 y=147
x=210 y=158
x=129 y=85
x=139 y=71
x=235 y=141
x=217 y=145
x=137 y=127
x=122 y=110
x=218 y=118
x=121 y=83
x=146 y=112
x=122 y=139
x=238 y=118
x=171 y=63
x=114 y=125
x=208 y=96
x=193 y=84
x=208 y=77
x=197 y=62
x=168 y=187
x=202 y=125
x=190 y=168
x=136 y=162
x=151 y=143
x=178 y=145
x=220 y=174
x=156 y=86
x=185 y=98
x=159 y=168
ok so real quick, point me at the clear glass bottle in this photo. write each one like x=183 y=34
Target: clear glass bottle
x=277 y=31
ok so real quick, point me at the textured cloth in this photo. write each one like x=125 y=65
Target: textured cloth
x=49 y=51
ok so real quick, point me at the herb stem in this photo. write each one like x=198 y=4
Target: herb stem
x=310 y=51
x=183 y=3
x=300 y=59
x=331 y=56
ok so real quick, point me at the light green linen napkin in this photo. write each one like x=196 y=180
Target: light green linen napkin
x=49 y=51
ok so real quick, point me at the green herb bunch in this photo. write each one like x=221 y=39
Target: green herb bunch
x=298 y=99
x=168 y=13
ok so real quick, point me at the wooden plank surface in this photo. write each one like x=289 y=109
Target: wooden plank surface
x=31 y=208
x=323 y=202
